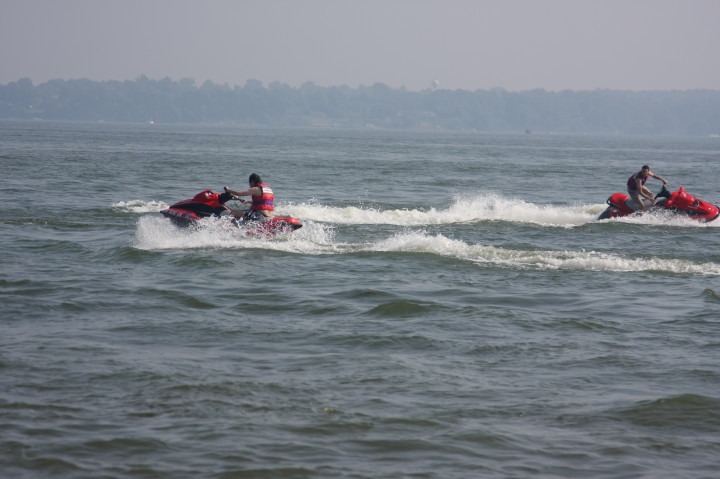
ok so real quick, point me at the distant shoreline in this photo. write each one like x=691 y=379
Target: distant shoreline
x=681 y=113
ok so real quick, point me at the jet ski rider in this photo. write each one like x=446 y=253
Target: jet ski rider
x=263 y=200
x=636 y=186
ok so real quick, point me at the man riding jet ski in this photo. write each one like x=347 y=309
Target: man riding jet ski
x=679 y=202
x=636 y=187
x=263 y=199
x=208 y=203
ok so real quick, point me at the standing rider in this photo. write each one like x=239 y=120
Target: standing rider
x=636 y=186
x=263 y=199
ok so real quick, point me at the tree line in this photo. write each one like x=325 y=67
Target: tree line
x=687 y=113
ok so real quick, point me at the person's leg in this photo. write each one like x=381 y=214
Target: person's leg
x=639 y=205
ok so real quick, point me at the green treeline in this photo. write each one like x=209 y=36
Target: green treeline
x=690 y=113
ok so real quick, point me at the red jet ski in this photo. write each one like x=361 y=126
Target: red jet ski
x=207 y=203
x=679 y=202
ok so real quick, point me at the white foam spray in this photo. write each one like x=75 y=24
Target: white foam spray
x=318 y=233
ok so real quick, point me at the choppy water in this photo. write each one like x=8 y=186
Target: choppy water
x=451 y=308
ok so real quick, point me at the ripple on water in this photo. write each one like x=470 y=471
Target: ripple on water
x=687 y=412
x=402 y=308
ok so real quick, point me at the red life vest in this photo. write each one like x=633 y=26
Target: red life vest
x=265 y=201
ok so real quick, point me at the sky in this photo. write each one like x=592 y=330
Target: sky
x=517 y=45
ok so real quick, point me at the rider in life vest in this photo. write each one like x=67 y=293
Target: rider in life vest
x=636 y=186
x=263 y=199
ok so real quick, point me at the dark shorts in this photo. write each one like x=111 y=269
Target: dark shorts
x=252 y=215
x=637 y=199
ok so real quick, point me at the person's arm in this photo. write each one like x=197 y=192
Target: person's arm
x=647 y=193
x=659 y=178
x=249 y=192
x=642 y=191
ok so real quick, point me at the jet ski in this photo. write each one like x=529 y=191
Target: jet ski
x=210 y=204
x=679 y=202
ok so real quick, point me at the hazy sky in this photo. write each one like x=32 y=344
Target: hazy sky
x=463 y=44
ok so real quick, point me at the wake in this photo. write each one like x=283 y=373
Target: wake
x=484 y=207
x=475 y=209
x=157 y=233
x=318 y=235
x=537 y=259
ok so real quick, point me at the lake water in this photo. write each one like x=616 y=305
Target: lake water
x=450 y=309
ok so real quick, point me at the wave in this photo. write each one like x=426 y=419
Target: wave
x=158 y=233
x=318 y=234
x=155 y=233
x=419 y=242
x=487 y=206
x=482 y=207
x=664 y=218
x=685 y=411
x=138 y=206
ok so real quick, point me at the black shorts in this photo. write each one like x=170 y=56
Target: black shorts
x=253 y=215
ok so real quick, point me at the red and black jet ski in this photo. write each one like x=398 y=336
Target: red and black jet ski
x=207 y=203
x=679 y=202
